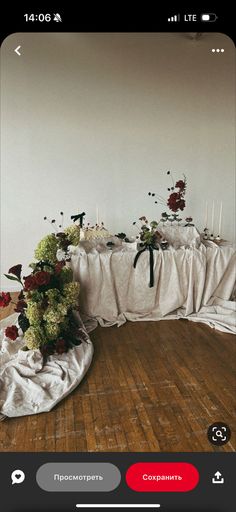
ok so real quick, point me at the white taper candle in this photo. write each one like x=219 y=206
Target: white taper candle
x=206 y=215
x=220 y=219
x=97 y=215
x=212 y=217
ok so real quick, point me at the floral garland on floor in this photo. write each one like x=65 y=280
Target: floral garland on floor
x=48 y=296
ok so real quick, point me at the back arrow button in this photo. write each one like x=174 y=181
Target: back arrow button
x=17 y=50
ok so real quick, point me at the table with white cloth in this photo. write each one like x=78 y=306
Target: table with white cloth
x=195 y=281
x=192 y=280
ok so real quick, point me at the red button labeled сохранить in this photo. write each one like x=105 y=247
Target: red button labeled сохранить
x=162 y=477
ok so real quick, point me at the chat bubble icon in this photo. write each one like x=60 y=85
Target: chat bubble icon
x=17 y=476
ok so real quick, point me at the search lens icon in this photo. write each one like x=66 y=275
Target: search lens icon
x=17 y=476
x=219 y=433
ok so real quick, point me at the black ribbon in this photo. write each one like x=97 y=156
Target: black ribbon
x=151 y=261
x=80 y=217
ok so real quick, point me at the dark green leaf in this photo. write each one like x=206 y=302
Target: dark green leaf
x=12 y=278
x=23 y=322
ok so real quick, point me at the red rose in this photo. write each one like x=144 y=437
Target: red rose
x=20 y=306
x=61 y=346
x=42 y=278
x=12 y=332
x=30 y=283
x=180 y=184
x=16 y=270
x=59 y=266
x=5 y=299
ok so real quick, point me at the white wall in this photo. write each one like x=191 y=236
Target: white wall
x=97 y=119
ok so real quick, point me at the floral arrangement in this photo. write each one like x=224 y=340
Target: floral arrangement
x=48 y=296
x=150 y=241
x=148 y=233
x=60 y=241
x=176 y=199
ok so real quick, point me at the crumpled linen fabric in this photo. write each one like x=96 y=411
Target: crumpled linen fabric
x=193 y=282
x=29 y=387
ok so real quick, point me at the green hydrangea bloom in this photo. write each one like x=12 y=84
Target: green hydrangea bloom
x=34 y=312
x=47 y=249
x=56 y=314
x=34 y=337
x=71 y=294
x=52 y=331
x=53 y=296
x=52 y=315
x=62 y=308
x=73 y=234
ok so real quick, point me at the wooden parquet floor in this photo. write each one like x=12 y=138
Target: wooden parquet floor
x=152 y=386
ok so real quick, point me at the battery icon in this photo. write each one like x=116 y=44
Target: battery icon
x=211 y=16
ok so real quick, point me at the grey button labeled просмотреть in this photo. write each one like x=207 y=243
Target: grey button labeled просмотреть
x=78 y=477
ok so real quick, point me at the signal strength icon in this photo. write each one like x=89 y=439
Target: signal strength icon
x=176 y=17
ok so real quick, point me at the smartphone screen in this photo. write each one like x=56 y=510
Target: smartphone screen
x=117 y=302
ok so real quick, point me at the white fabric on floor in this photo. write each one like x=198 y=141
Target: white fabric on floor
x=189 y=282
x=28 y=387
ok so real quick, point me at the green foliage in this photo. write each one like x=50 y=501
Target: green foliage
x=73 y=234
x=51 y=295
x=47 y=249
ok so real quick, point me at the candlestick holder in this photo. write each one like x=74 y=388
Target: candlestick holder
x=189 y=221
x=212 y=237
x=218 y=240
x=205 y=234
x=164 y=244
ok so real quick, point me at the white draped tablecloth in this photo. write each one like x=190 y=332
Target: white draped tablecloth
x=29 y=385
x=194 y=282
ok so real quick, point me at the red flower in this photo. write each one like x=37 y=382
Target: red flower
x=16 y=270
x=180 y=184
x=12 y=332
x=20 y=306
x=30 y=283
x=172 y=201
x=181 y=204
x=5 y=299
x=47 y=349
x=59 y=266
x=175 y=202
x=61 y=346
x=42 y=278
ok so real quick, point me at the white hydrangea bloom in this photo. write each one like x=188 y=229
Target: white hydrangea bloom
x=61 y=255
